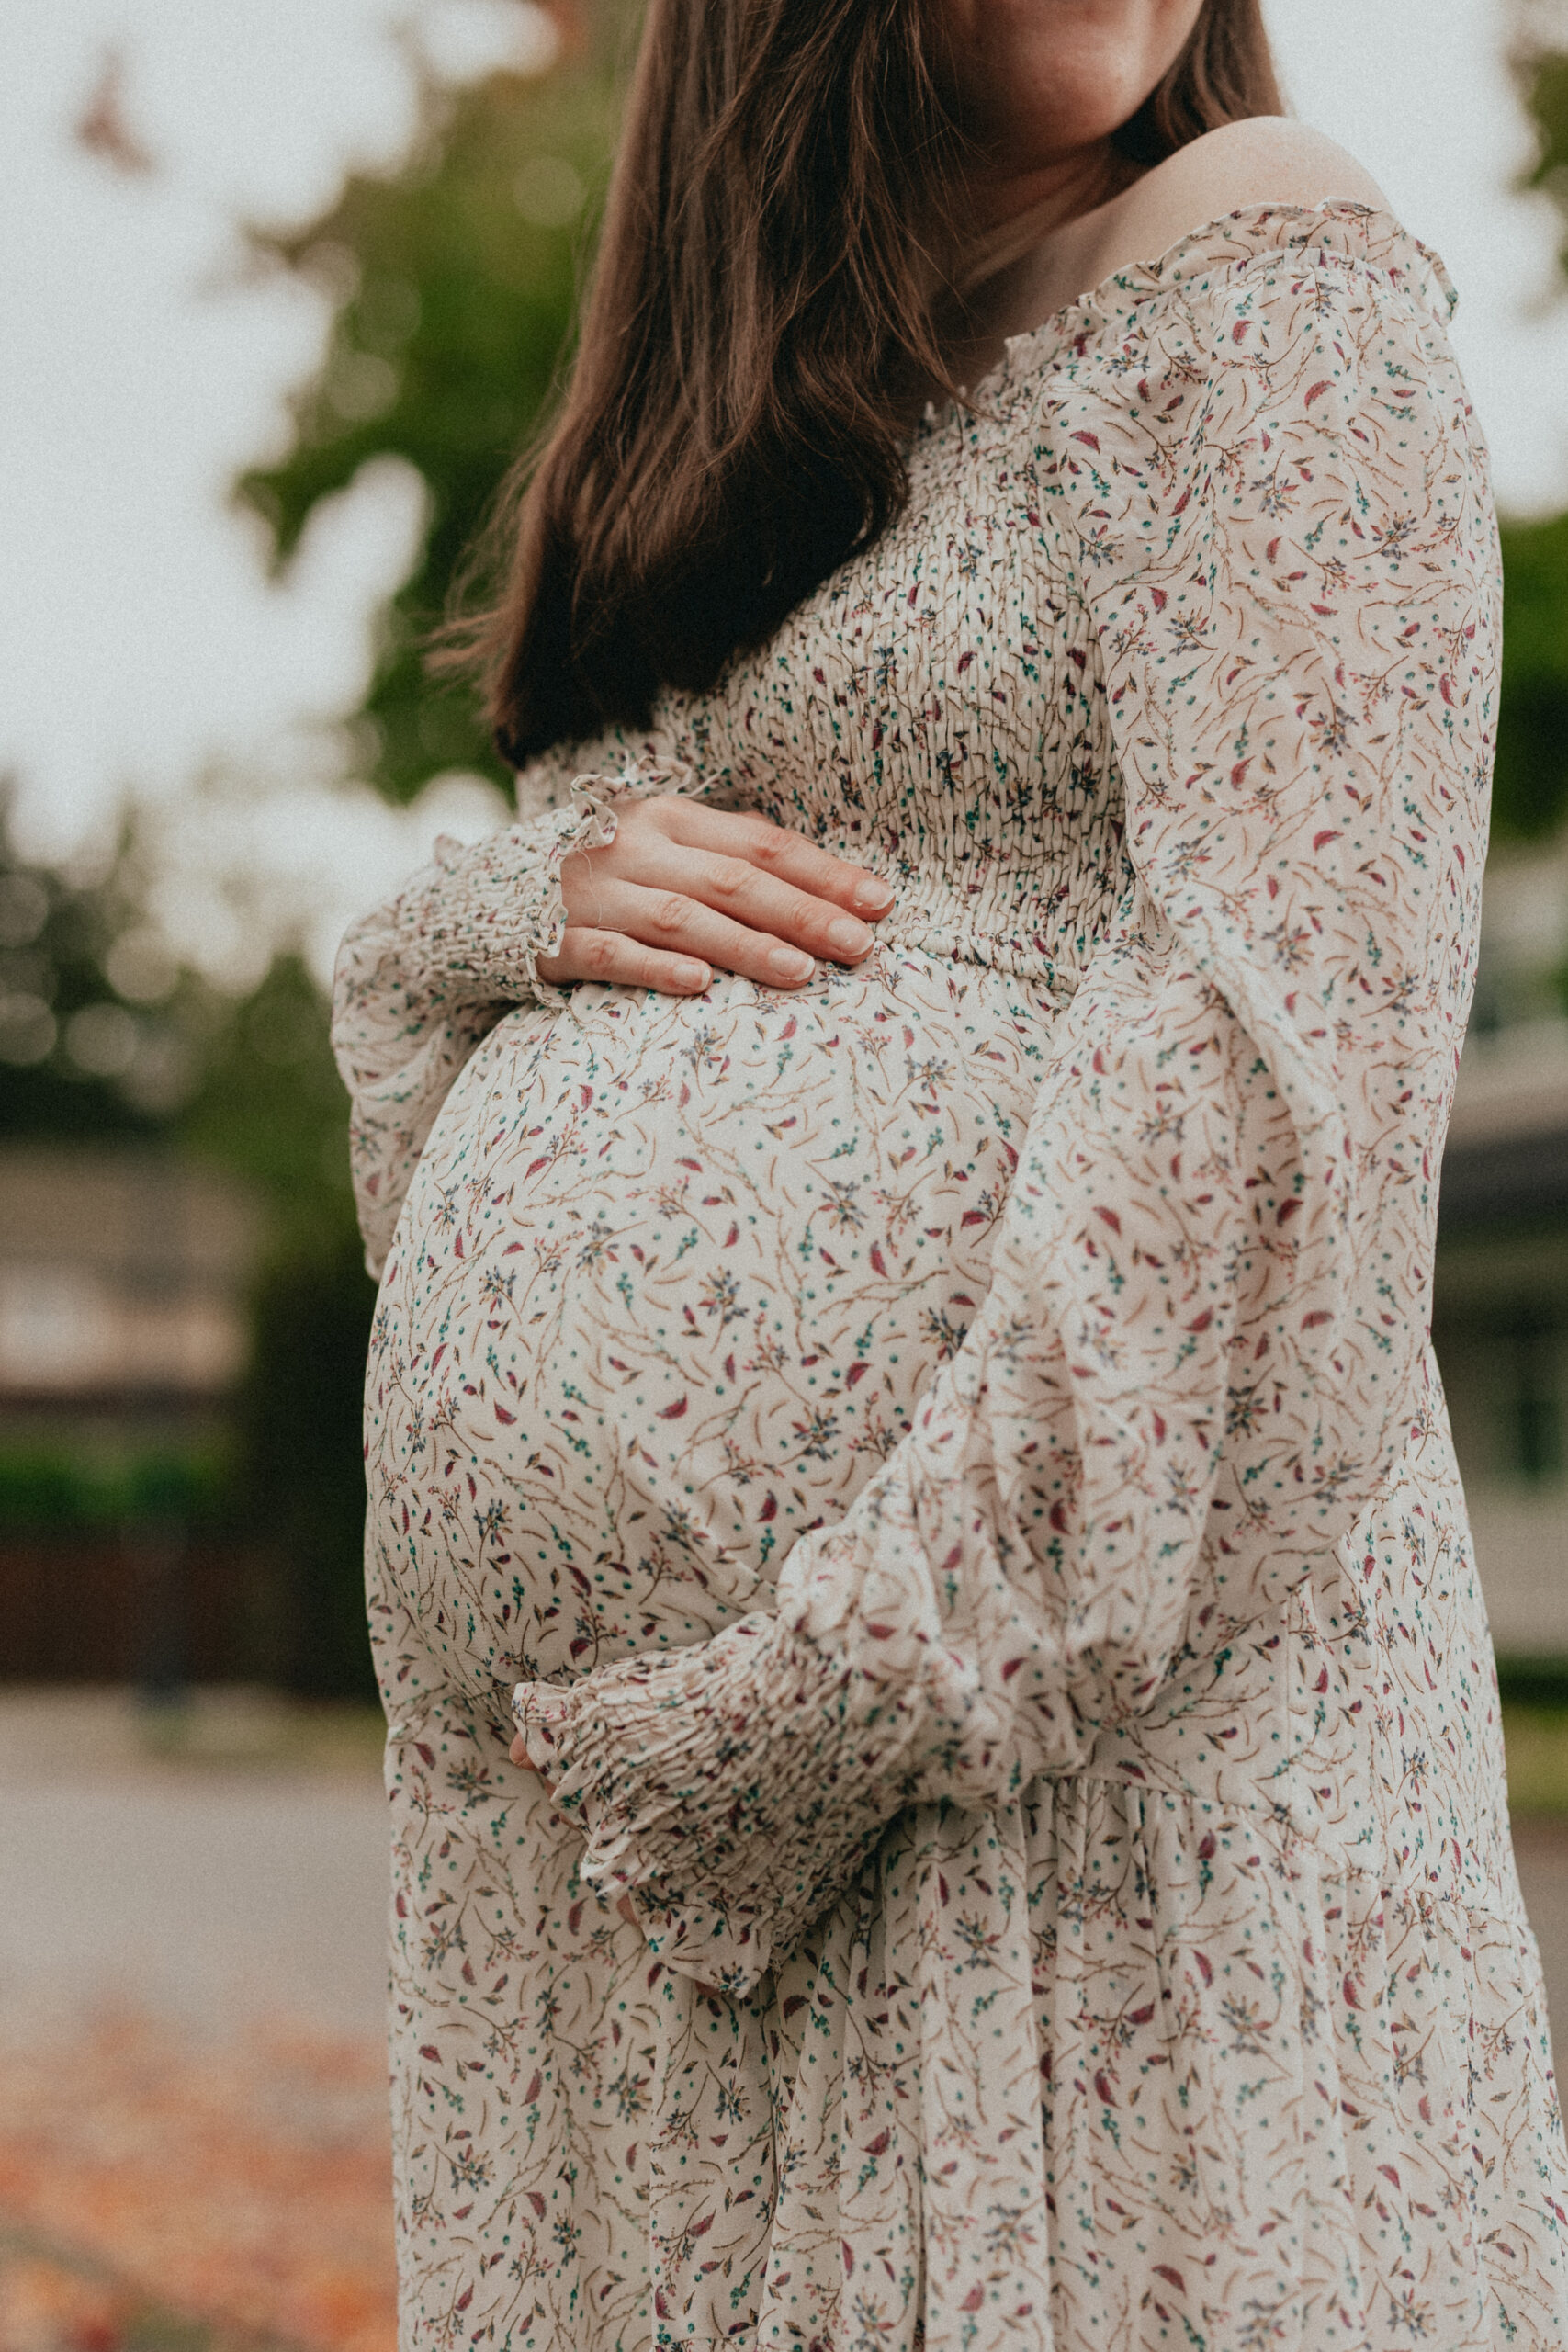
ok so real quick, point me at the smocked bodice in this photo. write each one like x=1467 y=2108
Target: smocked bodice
x=954 y=1450
x=937 y=708
x=937 y=712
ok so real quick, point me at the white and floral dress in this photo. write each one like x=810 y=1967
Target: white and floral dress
x=954 y=1455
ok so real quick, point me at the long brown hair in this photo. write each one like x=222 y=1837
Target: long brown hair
x=767 y=293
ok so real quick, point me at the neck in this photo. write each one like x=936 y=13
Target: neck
x=1011 y=214
x=1016 y=210
x=1020 y=214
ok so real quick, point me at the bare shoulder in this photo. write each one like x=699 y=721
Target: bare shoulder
x=1271 y=160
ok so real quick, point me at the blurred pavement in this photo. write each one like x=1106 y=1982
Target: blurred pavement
x=194 y=2148
x=226 y=1871
x=194 y=2151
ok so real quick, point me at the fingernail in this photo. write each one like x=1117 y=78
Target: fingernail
x=847 y=938
x=790 y=964
x=691 y=975
x=873 y=894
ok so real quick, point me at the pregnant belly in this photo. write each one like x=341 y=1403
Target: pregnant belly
x=669 y=1283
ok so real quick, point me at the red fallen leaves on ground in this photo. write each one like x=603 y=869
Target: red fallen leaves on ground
x=246 y=2185
x=45 y=2307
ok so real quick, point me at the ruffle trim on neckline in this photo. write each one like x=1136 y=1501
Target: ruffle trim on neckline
x=1370 y=234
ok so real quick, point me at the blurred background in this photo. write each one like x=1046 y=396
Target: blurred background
x=285 y=284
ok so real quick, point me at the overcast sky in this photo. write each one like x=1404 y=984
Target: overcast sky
x=141 y=639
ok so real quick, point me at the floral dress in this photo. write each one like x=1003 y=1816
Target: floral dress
x=954 y=1456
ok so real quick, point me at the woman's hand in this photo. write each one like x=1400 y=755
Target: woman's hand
x=624 y=1903
x=518 y=1751
x=683 y=888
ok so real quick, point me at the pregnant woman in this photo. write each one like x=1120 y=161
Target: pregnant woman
x=907 y=1189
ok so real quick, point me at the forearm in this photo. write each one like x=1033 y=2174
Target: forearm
x=421 y=980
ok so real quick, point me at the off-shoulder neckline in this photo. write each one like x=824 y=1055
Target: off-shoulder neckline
x=1229 y=239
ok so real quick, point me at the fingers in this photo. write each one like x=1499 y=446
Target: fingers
x=681 y=888
x=773 y=850
x=676 y=923
x=610 y=956
x=760 y=900
x=624 y=1903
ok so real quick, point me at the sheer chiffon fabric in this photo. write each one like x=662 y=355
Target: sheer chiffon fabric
x=956 y=1456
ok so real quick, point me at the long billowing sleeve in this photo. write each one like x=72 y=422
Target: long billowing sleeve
x=424 y=977
x=1183 y=1388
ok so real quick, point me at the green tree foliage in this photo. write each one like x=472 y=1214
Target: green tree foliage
x=106 y=1037
x=302 y=1456
x=57 y=932
x=454 y=307
x=455 y=281
x=1531 y=798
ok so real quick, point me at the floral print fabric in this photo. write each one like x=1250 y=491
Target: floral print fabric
x=956 y=1456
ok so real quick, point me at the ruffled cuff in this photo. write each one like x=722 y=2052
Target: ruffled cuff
x=499 y=909
x=732 y=1790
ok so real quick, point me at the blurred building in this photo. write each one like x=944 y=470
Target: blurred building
x=1500 y=1314
x=124 y=1282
